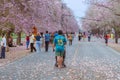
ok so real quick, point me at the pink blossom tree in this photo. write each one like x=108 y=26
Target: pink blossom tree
x=24 y=14
x=105 y=15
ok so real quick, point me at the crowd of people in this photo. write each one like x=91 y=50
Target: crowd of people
x=58 y=40
x=83 y=36
x=35 y=43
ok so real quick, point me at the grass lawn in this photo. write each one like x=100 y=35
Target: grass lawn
x=15 y=36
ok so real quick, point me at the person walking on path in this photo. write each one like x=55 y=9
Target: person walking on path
x=106 y=37
x=70 y=38
x=38 y=45
x=89 y=37
x=64 y=56
x=79 y=36
x=47 y=40
x=84 y=36
x=59 y=44
x=32 y=39
x=42 y=40
x=55 y=34
x=51 y=38
x=27 y=42
x=3 y=46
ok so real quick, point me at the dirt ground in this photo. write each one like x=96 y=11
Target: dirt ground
x=14 y=54
x=115 y=46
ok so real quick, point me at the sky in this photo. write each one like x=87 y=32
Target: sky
x=78 y=7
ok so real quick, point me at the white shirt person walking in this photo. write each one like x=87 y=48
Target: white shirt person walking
x=3 y=46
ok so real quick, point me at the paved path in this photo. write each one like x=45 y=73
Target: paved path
x=85 y=61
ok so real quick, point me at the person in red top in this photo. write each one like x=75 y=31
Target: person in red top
x=106 y=39
x=27 y=42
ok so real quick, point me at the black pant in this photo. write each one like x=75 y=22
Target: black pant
x=32 y=47
x=3 y=52
x=89 y=39
x=79 y=38
x=46 y=45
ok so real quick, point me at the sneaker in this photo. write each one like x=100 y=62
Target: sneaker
x=64 y=65
x=56 y=65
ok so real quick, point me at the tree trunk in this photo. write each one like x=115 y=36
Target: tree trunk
x=8 y=36
x=116 y=37
x=19 y=38
x=7 y=40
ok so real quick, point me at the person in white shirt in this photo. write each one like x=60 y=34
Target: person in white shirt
x=32 y=43
x=3 y=46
